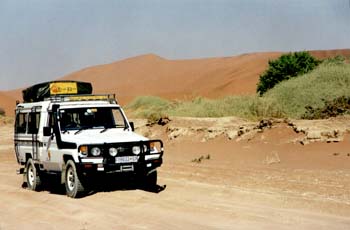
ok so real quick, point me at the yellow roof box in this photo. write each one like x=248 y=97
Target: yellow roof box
x=44 y=90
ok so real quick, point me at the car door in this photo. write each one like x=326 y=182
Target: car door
x=51 y=157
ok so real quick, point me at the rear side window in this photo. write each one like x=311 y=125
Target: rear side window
x=33 y=123
x=27 y=123
x=21 y=123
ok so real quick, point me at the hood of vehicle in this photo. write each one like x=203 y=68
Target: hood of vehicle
x=94 y=136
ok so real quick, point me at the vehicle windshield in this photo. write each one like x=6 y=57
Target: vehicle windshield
x=89 y=118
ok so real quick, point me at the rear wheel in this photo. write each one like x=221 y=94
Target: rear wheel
x=32 y=176
x=74 y=187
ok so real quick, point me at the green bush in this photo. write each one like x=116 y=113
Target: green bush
x=149 y=107
x=2 y=112
x=325 y=83
x=285 y=67
x=250 y=107
x=332 y=108
x=337 y=60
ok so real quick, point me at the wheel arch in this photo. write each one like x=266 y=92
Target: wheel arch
x=28 y=156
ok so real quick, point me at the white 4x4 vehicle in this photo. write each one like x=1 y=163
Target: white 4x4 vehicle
x=78 y=136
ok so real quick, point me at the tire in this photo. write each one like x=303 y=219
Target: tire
x=74 y=187
x=150 y=181
x=32 y=176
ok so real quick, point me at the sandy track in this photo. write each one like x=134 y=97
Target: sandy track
x=308 y=188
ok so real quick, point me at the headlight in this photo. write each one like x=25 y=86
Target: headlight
x=113 y=152
x=136 y=150
x=95 y=151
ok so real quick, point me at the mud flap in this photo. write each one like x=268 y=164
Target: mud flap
x=20 y=171
x=25 y=175
x=63 y=174
x=151 y=171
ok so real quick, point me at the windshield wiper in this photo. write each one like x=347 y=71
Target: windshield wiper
x=64 y=131
x=126 y=127
x=110 y=127
x=81 y=129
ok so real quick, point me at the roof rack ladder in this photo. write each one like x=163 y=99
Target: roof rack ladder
x=35 y=143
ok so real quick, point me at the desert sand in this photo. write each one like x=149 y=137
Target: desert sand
x=264 y=178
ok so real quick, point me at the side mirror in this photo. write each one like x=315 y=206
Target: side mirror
x=47 y=131
x=132 y=126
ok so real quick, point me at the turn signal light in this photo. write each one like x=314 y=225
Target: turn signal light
x=83 y=149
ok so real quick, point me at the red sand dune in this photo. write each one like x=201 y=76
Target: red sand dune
x=153 y=75
x=176 y=79
x=209 y=77
x=322 y=54
x=8 y=103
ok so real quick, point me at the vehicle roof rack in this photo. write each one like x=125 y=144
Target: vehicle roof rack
x=83 y=97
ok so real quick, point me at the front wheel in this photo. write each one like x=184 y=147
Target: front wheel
x=149 y=182
x=74 y=187
x=32 y=176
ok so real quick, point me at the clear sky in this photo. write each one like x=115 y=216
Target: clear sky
x=42 y=40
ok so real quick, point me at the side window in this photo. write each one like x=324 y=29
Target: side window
x=119 y=120
x=33 y=123
x=21 y=123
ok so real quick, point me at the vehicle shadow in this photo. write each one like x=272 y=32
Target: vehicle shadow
x=111 y=184
x=52 y=184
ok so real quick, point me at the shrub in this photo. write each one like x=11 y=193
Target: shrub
x=149 y=107
x=2 y=112
x=250 y=107
x=332 y=108
x=285 y=67
x=325 y=83
x=337 y=60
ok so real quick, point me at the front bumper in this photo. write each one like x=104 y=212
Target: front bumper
x=99 y=165
x=145 y=162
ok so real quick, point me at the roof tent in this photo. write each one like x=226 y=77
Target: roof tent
x=44 y=90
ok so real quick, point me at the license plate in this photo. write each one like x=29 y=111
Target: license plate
x=127 y=159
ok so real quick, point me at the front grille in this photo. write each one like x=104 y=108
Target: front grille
x=124 y=149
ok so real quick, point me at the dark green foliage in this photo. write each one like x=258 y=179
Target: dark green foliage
x=332 y=108
x=2 y=112
x=285 y=67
